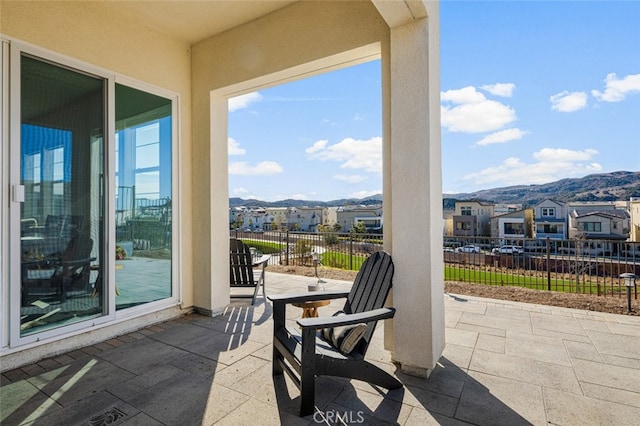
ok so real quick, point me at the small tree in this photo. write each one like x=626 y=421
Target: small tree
x=303 y=250
x=330 y=238
x=358 y=228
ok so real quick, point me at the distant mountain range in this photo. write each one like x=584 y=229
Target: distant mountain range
x=612 y=186
x=368 y=201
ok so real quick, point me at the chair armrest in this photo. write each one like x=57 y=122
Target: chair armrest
x=77 y=262
x=262 y=261
x=348 y=319
x=46 y=262
x=311 y=296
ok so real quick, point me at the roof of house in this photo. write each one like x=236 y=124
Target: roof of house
x=559 y=203
x=618 y=214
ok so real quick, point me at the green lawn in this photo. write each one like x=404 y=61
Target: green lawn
x=265 y=247
x=499 y=278
x=336 y=259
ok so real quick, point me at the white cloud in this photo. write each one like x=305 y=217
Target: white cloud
x=352 y=153
x=551 y=164
x=466 y=95
x=364 y=194
x=561 y=154
x=617 y=89
x=359 y=117
x=472 y=112
x=503 y=136
x=500 y=89
x=243 y=101
x=568 y=102
x=234 y=147
x=264 y=168
x=316 y=147
x=350 y=178
x=239 y=191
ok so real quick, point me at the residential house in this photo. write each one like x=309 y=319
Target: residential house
x=514 y=226
x=105 y=100
x=371 y=216
x=634 y=210
x=501 y=208
x=236 y=216
x=592 y=206
x=256 y=218
x=599 y=230
x=472 y=219
x=599 y=224
x=278 y=217
x=551 y=220
x=305 y=218
x=331 y=218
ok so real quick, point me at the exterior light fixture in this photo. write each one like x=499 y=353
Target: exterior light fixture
x=316 y=260
x=629 y=282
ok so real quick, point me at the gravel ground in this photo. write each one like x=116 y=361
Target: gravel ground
x=611 y=304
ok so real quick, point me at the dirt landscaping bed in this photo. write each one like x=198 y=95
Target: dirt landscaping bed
x=611 y=304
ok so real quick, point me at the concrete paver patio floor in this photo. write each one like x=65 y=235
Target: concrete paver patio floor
x=504 y=363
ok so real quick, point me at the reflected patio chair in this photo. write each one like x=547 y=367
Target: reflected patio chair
x=59 y=277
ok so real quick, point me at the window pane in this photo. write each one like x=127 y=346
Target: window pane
x=143 y=197
x=62 y=120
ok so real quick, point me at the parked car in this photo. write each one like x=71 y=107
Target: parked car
x=507 y=250
x=469 y=248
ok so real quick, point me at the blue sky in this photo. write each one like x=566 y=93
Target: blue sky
x=531 y=92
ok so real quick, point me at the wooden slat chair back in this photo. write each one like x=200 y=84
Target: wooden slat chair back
x=370 y=290
x=307 y=355
x=241 y=269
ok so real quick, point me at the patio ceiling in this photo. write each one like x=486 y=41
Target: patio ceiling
x=192 y=21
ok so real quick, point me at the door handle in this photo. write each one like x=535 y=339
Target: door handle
x=17 y=193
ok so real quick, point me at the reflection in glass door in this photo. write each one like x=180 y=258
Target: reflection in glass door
x=143 y=197
x=61 y=161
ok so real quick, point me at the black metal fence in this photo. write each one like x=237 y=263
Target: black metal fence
x=336 y=250
x=577 y=266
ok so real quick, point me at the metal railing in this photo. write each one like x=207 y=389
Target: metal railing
x=336 y=250
x=577 y=266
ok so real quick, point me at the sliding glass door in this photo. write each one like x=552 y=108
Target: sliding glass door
x=143 y=218
x=62 y=123
x=91 y=205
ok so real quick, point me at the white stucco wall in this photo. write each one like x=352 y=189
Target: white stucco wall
x=298 y=41
x=302 y=40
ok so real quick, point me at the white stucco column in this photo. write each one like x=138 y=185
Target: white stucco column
x=415 y=177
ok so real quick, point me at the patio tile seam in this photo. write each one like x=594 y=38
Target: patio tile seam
x=520 y=380
x=626 y=390
x=547 y=408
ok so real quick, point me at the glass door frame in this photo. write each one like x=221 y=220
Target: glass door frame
x=4 y=180
x=176 y=262
x=11 y=270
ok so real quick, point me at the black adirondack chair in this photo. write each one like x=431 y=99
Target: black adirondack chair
x=242 y=274
x=307 y=355
x=64 y=275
